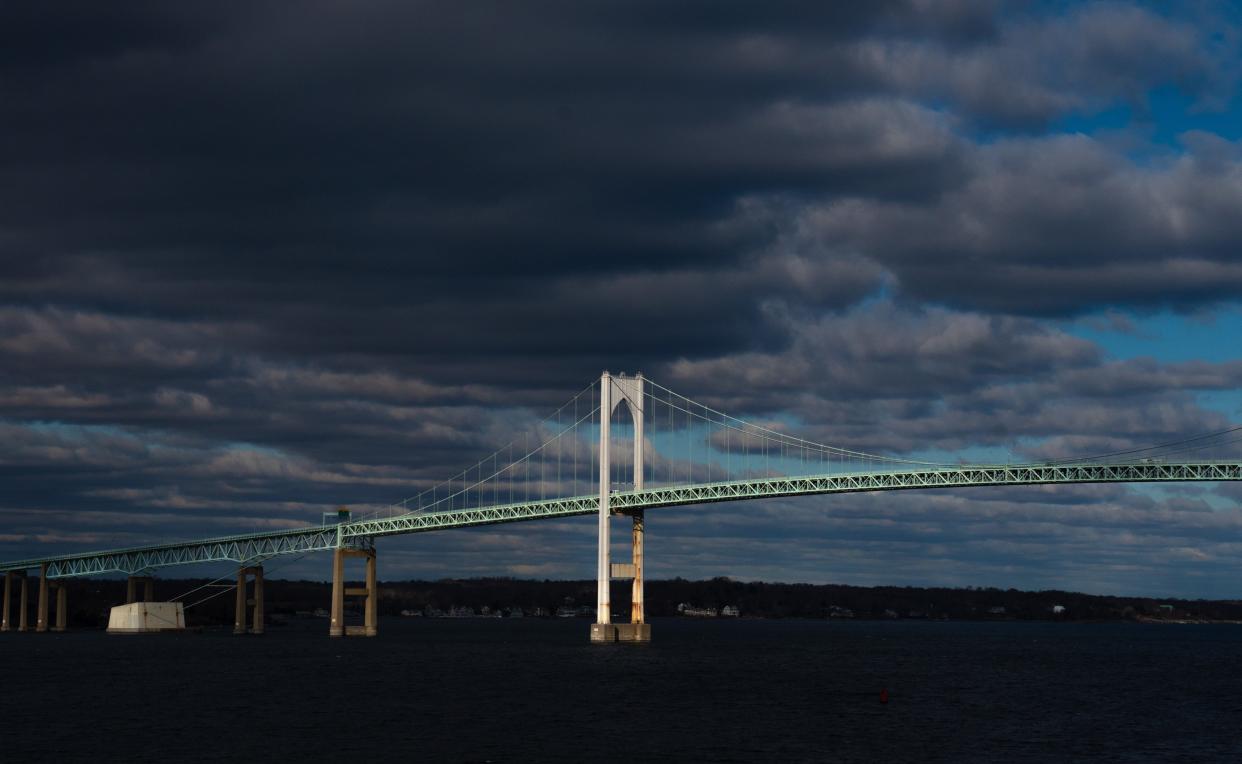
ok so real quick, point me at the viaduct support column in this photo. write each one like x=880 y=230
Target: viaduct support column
x=25 y=608
x=62 y=606
x=337 y=626
x=370 y=623
x=370 y=617
x=639 y=630
x=148 y=589
x=256 y=619
x=241 y=601
x=41 y=611
x=636 y=593
x=8 y=601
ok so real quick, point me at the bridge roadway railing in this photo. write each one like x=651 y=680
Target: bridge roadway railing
x=259 y=546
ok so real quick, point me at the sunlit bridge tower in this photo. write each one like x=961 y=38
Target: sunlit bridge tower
x=613 y=392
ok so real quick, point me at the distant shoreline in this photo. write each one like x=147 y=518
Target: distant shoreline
x=90 y=600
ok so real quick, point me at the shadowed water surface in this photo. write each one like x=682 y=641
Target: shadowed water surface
x=535 y=690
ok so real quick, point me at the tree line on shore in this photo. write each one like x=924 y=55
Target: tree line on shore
x=90 y=600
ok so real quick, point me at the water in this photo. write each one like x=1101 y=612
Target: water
x=535 y=690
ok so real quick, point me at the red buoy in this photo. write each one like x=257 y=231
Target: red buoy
x=884 y=695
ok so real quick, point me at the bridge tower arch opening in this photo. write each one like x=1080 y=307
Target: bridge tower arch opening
x=615 y=391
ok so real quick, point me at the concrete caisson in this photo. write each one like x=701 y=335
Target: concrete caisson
x=146 y=617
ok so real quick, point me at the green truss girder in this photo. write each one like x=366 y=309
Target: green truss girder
x=260 y=546
x=739 y=490
x=247 y=548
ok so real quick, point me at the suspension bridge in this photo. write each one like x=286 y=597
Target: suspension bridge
x=618 y=448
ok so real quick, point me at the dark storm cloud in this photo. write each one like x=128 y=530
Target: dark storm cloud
x=895 y=380
x=444 y=165
x=1054 y=225
x=884 y=351
x=258 y=260
x=1036 y=69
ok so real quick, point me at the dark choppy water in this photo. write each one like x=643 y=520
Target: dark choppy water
x=535 y=690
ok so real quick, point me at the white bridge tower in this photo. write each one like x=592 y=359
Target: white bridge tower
x=614 y=390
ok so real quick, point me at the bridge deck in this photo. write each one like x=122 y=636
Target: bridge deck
x=249 y=548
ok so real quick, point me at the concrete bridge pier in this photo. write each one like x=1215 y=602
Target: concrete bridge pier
x=637 y=630
x=370 y=620
x=614 y=390
x=8 y=599
x=256 y=618
x=22 y=625
x=637 y=613
x=6 y=623
x=41 y=607
x=62 y=605
x=131 y=589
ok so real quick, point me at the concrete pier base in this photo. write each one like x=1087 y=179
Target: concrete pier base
x=146 y=617
x=633 y=632
x=620 y=632
x=370 y=620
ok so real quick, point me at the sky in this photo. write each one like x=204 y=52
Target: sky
x=260 y=260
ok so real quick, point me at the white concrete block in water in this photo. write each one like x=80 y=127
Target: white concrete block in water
x=139 y=617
